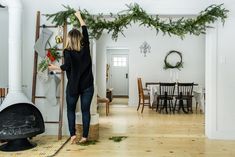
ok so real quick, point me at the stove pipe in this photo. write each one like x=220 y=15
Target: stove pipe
x=15 y=94
x=20 y=119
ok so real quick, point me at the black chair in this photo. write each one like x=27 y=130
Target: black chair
x=184 y=93
x=165 y=97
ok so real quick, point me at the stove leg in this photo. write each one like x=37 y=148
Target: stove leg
x=17 y=145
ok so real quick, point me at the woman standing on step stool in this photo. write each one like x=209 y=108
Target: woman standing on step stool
x=78 y=67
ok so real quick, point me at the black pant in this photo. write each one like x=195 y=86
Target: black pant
x=86 y=97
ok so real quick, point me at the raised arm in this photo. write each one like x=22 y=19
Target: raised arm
x=84 y=28
x=78 y=15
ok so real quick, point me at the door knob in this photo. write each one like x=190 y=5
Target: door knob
x=126 y=75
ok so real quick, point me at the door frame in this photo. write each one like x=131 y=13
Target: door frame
x=211 y=106
x=108 y=55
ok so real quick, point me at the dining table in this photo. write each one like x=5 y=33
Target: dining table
x=198 y=94
x=152 y=88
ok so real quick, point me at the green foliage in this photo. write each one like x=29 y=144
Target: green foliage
x=117 y=138
x=42 y=66
x=54 y=52
x=97 y=24
x=87 y=143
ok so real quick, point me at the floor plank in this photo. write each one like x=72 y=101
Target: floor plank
x=152 y=135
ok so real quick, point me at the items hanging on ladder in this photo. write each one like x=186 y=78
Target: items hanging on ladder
x=42 y=41
x=59 y=37
x=52 y=55
x=40 y=50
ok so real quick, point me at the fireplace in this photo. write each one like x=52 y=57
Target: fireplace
x=20 y=120
x=18 y=123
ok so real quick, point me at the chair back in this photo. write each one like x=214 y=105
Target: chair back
x=185 y=89
x=167 y=89
x=140 y=88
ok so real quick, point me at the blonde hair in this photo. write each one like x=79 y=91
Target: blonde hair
x=74 y=40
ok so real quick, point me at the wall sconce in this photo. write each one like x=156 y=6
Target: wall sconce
x=145 y=48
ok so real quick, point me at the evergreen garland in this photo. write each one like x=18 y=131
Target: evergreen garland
x=97 y=23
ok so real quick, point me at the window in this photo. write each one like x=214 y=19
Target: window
x=119 y=61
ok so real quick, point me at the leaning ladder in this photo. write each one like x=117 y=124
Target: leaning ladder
x=34 y=82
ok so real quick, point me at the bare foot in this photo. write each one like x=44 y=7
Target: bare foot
x=73 y=139
x=83 y=140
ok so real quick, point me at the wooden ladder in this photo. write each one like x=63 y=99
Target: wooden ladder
x=34 y=82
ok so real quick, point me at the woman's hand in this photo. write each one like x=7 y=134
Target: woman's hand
x=53 y=67
x=78 y=15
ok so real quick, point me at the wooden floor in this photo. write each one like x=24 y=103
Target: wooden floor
x=120 y=101
x=151 y=135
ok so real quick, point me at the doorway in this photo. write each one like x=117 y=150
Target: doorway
x=117 y=74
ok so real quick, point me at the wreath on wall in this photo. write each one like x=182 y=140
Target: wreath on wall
x=177 y=65
x=117 y=23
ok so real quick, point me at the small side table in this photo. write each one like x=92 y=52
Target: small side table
x=109 y=94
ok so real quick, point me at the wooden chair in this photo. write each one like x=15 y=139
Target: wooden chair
x=106 y=101
x=184 y=93
x=142 y=96
x=3 y=93
x=166 y=94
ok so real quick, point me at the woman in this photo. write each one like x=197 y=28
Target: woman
x=78 y=67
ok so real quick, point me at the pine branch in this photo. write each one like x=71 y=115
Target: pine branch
x=134 y=13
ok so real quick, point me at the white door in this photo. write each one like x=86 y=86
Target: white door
x=119 y=76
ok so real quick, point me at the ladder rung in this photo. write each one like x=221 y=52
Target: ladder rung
x=52 y=122
x=43 y=97
x=45 y=26
x=54 y=73
x=56 y=49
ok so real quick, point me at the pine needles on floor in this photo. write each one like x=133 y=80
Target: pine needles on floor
x=87 y=143
x=117 y=138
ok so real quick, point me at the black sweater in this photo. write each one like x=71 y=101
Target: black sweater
x=78 y=66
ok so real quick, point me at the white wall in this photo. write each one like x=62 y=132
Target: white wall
x=150 y=68
x=3 y=48
x=221 y=78
x=220 y=116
